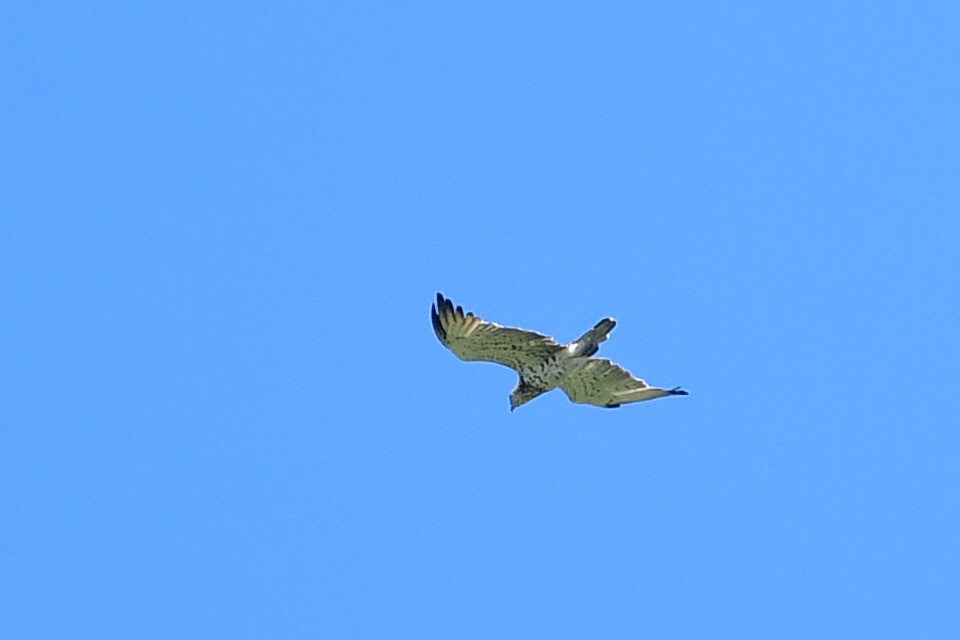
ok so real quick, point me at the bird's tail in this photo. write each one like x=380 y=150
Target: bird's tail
x=589 y=343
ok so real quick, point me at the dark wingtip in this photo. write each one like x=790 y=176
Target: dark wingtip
x=443 y=307
x=443 y=303
x=437 y=327
x=677 y=391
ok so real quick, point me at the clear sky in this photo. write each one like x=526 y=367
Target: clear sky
x=224 y=411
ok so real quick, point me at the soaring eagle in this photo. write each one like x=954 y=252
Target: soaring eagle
x=543 y=363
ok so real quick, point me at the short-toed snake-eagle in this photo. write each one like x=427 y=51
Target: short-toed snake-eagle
x=543 y=363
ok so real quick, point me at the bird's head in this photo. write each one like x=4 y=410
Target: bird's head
x=522 y=394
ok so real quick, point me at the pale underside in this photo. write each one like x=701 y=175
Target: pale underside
x=543 y=363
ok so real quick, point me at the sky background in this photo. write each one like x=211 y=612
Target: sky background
x=224 y=410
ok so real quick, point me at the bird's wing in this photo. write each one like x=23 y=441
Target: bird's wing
x=600 y=382
x=472 y=338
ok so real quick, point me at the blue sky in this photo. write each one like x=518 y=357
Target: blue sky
x=225 y=414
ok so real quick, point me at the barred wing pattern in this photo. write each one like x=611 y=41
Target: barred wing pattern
x=472 y=338
x=603 y=383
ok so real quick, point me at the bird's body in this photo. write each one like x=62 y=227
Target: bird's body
x=542 y=363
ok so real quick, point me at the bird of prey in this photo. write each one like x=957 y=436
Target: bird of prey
x=543 y=363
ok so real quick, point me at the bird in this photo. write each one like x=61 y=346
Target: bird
x=542 y=363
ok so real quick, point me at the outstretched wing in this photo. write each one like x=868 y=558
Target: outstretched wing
x=600 y=382
x=472 y=338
